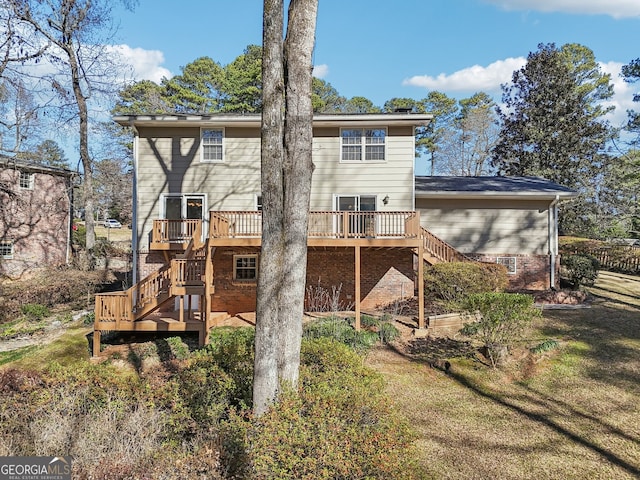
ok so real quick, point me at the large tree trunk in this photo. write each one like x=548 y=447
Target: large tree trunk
x=286 y=185
x=298 y=167
x=265 y=378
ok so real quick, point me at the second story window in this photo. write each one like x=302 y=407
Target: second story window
x=26 y=180
x=212 y=145
x=363 y=144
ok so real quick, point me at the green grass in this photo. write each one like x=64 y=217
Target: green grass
x=15 y=355
x=69 y=349
x=570 y=412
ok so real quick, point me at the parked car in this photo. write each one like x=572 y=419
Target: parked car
x=112 y=223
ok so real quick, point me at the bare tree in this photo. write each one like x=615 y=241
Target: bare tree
x=81 y=63
x=18 y=42
x=466 y=147
x=287 y=135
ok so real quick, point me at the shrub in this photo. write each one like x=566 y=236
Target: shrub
x=50 y=288
x=546 y=346
x=387 y=332
x=449 y=283
x=580 y=269
x=206 y=390
x=35 y=311
x=232 y=350
x=341 y=330
x=500 y=320
x=179 y=350
x=339 y=425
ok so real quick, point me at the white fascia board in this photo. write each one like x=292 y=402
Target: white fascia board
x=254 y=120
x=497 y=195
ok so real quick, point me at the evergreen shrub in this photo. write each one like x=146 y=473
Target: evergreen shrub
x=449 y=283
x=339 y=424
x=580 y=269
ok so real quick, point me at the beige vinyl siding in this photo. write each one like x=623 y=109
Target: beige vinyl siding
x=393 y=177
x=488 y=226
x=169 y=163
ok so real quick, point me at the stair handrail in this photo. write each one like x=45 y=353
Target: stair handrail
x=438 y=248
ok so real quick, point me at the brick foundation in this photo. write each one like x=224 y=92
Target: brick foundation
x=532 y=271
x=385 y=275
x=229 y=296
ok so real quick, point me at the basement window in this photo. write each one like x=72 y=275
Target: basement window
x=245 y=269
x=509 y=262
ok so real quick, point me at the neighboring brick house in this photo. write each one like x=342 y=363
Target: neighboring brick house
x=35 y=216
x=197 y=220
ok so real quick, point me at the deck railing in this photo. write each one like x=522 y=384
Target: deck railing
x=187 y=272
x=329 y=224
x=150 y=288
x=174 y=231
x=113 y=307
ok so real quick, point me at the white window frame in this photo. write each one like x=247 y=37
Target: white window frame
x=27 y=180
x=245 y=281
x=511 y=264
x=202 y=145
x=183 y=208
x=6 y=250
x=364 y=142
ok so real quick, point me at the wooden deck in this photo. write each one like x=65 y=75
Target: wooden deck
x=190 y=273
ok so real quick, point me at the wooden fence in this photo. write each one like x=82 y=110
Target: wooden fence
x=615 y=258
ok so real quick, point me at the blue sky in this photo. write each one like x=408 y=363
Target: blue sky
x=402 y=48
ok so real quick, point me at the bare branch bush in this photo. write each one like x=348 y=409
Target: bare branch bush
x=321 y=299
x=115 y=432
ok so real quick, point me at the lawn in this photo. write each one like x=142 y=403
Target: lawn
x=571 y=412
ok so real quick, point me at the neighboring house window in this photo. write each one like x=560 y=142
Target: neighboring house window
x=26 y=180
x=509 y=262
x=363 y=144
x=6 y=250
x=245 y=268
x=212 y=145
x=259 y=203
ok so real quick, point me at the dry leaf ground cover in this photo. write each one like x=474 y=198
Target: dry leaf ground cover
x=569 y=413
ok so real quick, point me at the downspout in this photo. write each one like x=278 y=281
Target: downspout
x=134 y=210
x=553 y=240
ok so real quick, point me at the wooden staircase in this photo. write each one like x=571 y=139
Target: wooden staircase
x=437 y=250
x=181 y=276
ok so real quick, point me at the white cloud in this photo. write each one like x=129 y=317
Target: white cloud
x=146 y=64
x=320 y=71
x=622 y=98
x=489 y=79
x=471 y=79
x=614 y=8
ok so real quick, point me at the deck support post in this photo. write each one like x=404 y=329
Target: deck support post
x=357 y=282
x=421 y=323
x=203 y=335
x=96 y=342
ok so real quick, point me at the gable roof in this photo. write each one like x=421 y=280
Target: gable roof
x=12 y=162
x=491 y=187
x=254 y=119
